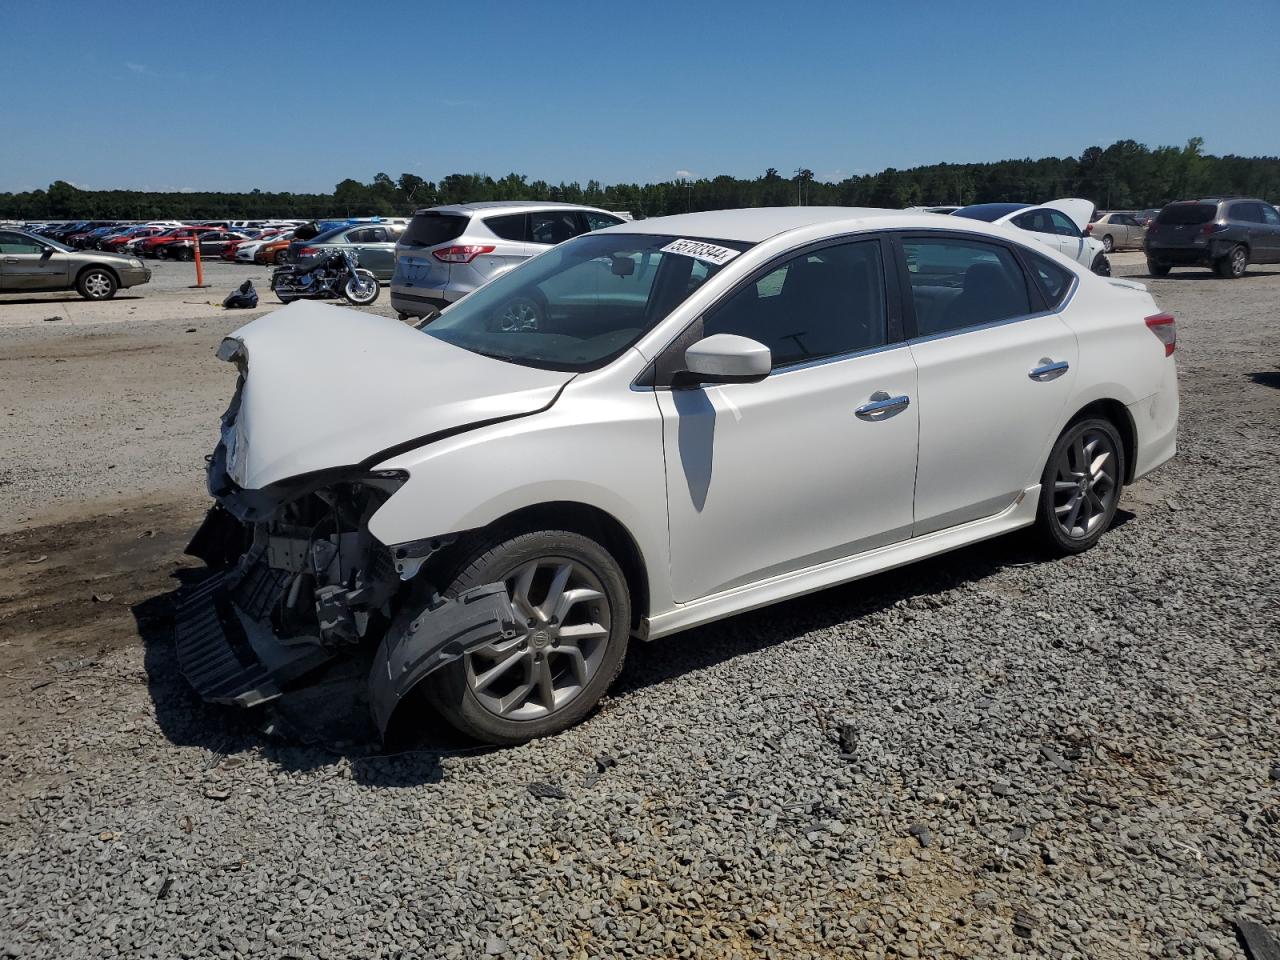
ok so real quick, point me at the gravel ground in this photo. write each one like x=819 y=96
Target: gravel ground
x=983 y=755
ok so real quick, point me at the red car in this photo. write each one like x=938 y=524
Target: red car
x=229 y=251
x=148 y=247
x=141 y=233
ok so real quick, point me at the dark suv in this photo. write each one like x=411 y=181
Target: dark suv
x=1225 y=235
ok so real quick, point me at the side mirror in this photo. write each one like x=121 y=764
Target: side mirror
x=725 y=358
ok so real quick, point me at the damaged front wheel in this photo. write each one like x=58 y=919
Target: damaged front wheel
x=575 y=613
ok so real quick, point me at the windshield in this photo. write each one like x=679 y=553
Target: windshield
x=581 y=304
x=990 y=212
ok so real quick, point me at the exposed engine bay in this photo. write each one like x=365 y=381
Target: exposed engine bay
x=300 y=581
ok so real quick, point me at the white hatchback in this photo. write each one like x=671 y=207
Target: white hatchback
x=705 y=414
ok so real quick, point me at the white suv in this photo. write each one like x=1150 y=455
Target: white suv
x=446 y=252
x=700 y=415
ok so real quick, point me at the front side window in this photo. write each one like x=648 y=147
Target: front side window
x=1063 y=225
x=18 y=243
x=825 y=303
x=1037 y=221
x=1270 y=215
x=580 y=305
x=962 y=283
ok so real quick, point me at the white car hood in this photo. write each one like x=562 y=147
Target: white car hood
x=329 y=387
x=1079 y=211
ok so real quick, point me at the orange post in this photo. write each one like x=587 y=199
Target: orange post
x=195 y=252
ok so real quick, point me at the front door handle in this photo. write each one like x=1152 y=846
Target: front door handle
x=10 y=259
x=1049 y=370
x=881 y=406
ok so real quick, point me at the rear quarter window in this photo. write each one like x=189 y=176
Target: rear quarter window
x=1053 y=281
x=430 y=229
x=512 y=226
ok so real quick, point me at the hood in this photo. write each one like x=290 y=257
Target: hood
x=1078 y=210
x=326 y=387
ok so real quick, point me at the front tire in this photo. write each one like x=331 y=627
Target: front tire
x=577 y=610
x=362 y=288
x=97 y=284
x=1080 y=487
x=1234 y=264
x=1101 y=265
x=1108 y=244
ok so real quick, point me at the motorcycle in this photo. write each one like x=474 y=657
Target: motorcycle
x=327 y=277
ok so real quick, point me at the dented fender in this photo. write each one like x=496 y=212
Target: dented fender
x=419 y=644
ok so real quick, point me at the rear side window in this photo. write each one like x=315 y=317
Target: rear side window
x=429 y=229
x=1187 y=214
x=962 y=283
x=1054 y=281
x=513 y=226
x=825 y=303
x=553 y=226
x=598 y=221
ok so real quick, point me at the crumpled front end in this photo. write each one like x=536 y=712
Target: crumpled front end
x=300 y=582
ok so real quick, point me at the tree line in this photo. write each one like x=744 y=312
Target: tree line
x=1126 y=174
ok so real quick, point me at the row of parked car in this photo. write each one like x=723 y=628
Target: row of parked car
x=443 y=253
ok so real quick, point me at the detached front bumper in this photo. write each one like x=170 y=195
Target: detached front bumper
x=232 y=650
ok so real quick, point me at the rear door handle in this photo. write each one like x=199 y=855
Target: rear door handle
x=881 y=406
x=10 y=259
x=1049 y=370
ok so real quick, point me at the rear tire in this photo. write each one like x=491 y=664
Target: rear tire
x=1234 y=264
x=1080 y=487
x=1158 y=269
x=575 y=655
x=97 y=283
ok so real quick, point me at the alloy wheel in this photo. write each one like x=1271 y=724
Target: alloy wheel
x=1085 y=485
x=97 y=285
x=1239 y=260
x=567 y=626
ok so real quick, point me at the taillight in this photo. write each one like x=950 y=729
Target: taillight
x=1089 y=228
x=460 y=254
x=1209 y=228
x=308 y=251
x=1166 y=330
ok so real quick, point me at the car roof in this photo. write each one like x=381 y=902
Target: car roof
x=754 y=224
x=514 y=206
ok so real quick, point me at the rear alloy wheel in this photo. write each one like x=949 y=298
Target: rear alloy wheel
x=1081 y=485
x=97 y=284
x=1234 y=264
x=1108 y=244
x=1101 y=265
x=573 y=600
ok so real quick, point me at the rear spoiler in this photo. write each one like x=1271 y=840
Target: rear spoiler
x=1127 y=284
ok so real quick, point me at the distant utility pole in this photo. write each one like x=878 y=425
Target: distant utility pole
x=799 y=202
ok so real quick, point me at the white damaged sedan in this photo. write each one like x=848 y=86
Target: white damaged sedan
x=648 y=428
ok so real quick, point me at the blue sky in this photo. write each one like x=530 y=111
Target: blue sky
x=231 y=96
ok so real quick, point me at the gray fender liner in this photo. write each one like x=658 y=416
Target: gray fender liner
x=415 y=647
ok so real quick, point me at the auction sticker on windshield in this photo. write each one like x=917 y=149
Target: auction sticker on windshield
x=701 y=251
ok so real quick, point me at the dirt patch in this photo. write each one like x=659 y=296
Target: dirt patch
x=67 y=588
